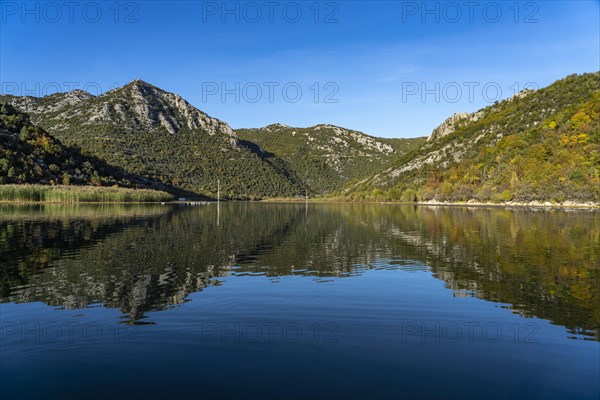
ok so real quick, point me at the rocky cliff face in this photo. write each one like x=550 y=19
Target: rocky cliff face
x=137 y=106
x=457 y=120
x=349 y=138
x=150 y=108
x=452 y=123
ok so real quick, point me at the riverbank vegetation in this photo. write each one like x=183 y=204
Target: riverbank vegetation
x=79 y=194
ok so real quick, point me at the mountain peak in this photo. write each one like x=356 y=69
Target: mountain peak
x=141 y=88
x=136 y=106
x=147 y=107
x=275 y=125
x=81 y=93
x=329 y=126
x=139 y=82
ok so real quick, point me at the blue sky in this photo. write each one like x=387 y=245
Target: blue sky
x=390 y=68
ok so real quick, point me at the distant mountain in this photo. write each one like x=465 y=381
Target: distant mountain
x=541 y=145
x=327 y=157
x=152 y=133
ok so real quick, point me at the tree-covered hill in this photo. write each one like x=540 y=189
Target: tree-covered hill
x=158 y=135
x=326 y=157
x=539 y=145
x=28 y=154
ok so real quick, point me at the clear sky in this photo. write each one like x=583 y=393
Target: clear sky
x=389 y=68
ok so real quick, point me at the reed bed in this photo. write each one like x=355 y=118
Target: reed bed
x=79 y=211
x=79 y=194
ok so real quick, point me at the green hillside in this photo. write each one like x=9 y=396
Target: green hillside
x=540 y=145
x=326 y=157
x=28 y=154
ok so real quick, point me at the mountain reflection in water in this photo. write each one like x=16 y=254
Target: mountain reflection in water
x=543 y=263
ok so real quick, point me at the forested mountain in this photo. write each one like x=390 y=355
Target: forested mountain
x=328 y=157
x=541 y=145
x=149 y=132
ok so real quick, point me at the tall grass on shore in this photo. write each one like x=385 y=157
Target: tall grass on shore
x=80 y=211
x=78 y=194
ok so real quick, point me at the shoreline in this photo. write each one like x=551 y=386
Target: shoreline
x=516 y=204
x=533 y=204
x=77 y=195
x=512 y=204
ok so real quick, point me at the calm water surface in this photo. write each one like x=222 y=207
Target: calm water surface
x=284 y=300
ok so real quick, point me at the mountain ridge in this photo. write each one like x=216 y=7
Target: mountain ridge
x=153 y=133
x=482 y=155
x=327 y=157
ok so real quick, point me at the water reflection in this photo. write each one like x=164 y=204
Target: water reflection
x=543 y=263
